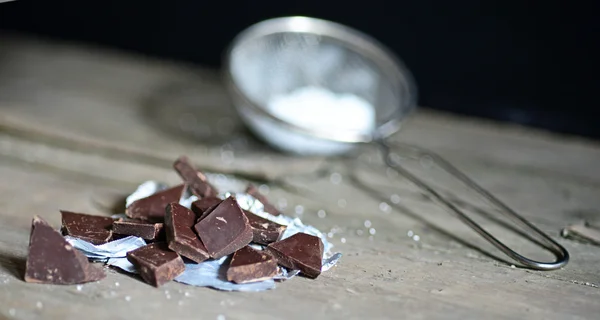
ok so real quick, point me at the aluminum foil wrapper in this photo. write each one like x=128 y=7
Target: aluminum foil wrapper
x=330 y=262
x=145 y=189
x=213 y=274
x=210 y=273
x=113 y=253
x=285 y=274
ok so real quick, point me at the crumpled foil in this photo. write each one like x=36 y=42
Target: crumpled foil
x=213 y=274
x=145 y=189
x=114 y=253
x=330 y=262
x=210 y=273
x=285 y=274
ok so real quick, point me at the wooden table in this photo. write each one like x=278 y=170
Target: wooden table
x=80 y=127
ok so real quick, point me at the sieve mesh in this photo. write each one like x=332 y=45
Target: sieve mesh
x=282 y=62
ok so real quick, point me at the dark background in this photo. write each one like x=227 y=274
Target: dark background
x=531 y=62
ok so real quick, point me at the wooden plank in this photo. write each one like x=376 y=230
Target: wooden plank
x=84 y=139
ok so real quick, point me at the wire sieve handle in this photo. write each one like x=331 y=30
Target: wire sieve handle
x=562 y=256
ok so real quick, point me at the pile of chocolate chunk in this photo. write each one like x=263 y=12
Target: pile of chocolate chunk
x=212 y=228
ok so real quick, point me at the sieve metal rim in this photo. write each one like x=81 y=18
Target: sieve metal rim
x=359 y=42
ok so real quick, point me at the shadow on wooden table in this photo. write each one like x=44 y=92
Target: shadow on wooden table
x=192 y=111
x=405 y=210
x=13 y=264
x=199 y=112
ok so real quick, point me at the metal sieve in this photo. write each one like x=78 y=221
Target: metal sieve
x=277 y=56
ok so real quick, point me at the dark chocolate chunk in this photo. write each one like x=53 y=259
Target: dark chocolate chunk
x=250 y=265
x=225 y=229
x=93 y=229
x=182 y=239
x=253 y=191
x=203 y=206
x=152 y=208
x=263 y=230
x=301 y=251
x=53 y=260
x=194 y=178
x=156 y=263
x=139 y=228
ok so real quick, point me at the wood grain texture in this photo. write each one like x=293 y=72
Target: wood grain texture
x=81 y=127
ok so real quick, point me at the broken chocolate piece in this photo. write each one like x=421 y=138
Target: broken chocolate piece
x=152 y=208
x=53 y=260
x=203 y=206
x=194 y=178
x=93 y=229
x=250 y=265
x=253 y=191
x=301 y=251
x=182 y=239
x=156 y=263
x=264 y=231
x=139 y=228
x=225 y=229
